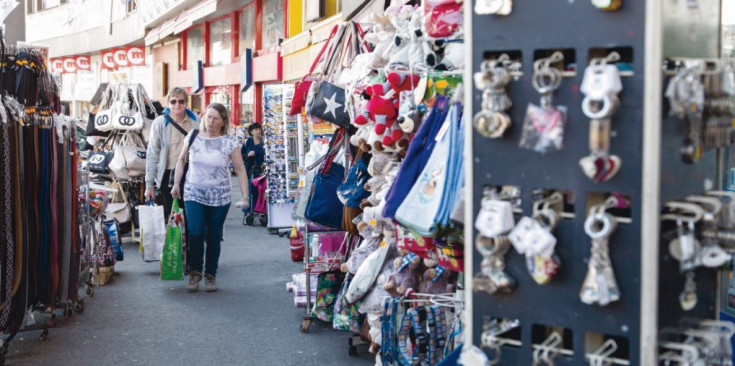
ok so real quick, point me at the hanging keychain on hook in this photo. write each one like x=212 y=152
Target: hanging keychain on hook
x=543 y=127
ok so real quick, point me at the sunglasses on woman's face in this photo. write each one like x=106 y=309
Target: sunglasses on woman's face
x=174 y=101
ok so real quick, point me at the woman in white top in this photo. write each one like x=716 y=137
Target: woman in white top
x=208 y=191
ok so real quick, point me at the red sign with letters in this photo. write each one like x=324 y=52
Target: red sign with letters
x=70 y=65
x=56 y=64
x=84 y=62
x=121 y=57
x=135 y=55
x=108 y=60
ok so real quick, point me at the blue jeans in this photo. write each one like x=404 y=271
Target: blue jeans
x=205 y=223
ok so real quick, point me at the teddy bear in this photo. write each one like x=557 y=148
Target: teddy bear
x=382 y=109
x=405 y=276
x=436 y=277
x=381 y=37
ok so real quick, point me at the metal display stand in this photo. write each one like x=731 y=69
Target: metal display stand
x=651 y=174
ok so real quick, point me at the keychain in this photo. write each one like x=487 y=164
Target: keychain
x=600 y=286
x=543 y=126
x=601 y=86
x=492 y=120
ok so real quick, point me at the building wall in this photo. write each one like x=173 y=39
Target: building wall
x=15 y=26
x=168 y=54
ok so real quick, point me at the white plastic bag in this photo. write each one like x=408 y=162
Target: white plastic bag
x=152 y=232
x=367 y=273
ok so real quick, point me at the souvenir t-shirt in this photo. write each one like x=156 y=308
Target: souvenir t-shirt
x=208 y=177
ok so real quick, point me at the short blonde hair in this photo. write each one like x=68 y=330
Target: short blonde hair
x=223 y=113
x=177 y=91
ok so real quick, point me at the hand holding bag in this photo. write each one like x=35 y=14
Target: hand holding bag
x=152 y=232
x=172 y=267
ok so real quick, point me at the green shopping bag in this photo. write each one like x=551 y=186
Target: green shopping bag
x=172 y=267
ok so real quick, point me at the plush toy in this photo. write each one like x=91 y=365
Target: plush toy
x=420 y=53
x=358 y=256
x=400 y=18
x=436 y=280
x=452 y=57
x=382 y=108
x=404 y=277
x=381 y=37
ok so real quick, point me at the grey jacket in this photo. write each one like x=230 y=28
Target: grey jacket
x=157 y=154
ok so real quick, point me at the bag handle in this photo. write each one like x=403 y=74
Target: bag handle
x=339 y=139
x=321 y=52
x=334 y=147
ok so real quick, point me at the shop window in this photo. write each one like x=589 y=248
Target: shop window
x=247 y=106
x=129 y=6
x=247 y=28
x=272 y=22
x=220 y=43
x=194 y=47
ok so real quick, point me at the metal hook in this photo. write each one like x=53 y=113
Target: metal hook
x=715 y=205
x=695 y=210
x=601 y=356
x=545 y=203
x=688 y=354
x=611 y=57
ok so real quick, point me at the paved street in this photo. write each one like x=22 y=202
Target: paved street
x=139 y=320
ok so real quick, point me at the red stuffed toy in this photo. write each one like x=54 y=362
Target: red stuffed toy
x=382 y=108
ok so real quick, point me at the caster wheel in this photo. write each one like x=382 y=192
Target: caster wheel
x=250 y=220
x=264 y=222
x=305 y=325
x=78 y=306
x=44 y=335
x=352 y=351
x=89 y=290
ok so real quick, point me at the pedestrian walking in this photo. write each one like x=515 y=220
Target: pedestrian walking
x=167 y=138
x=253 y=151
x=208 y=191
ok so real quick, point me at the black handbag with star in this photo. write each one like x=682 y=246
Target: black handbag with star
x=329 y=105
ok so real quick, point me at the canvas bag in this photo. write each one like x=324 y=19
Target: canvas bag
x=305 y=190
x=421 y=207
x=419 y=151
x=152 y=232
x=119 y=209
x=129 y=114
x=324 y=206
x=105 y=111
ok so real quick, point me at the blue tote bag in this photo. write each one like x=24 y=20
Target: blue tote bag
x=421 y=208
x=419 y=151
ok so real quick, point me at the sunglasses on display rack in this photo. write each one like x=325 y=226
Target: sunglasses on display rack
x=175 y=101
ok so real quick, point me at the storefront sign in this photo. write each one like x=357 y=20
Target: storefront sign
x=121 y=58
x=135 y=55
x=246 y=70
x=270 y=67
x=84 y=63
x=108 y=60
x=56 y=65
x=70 y=65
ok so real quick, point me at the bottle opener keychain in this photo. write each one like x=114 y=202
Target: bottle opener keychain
x=600 y=286
x=492 y=120
x=601 y=86
x=543 y=127
x=533 y=238
x=493 y=223
x=685 y=248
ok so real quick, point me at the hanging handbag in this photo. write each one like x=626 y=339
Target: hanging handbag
x=105 y=111
x=134 y=152
x=302 y=87
x=352 y=191
x=421 y=209
x=419 y=151
x=324 y=206
x=118 y=167
x=91 y=129
x=119 y=209
x=129 y=112
x=329 y=101
x=303 y=194
x=99 y=161
x=328 y=285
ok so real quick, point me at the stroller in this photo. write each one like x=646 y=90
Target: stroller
x=257 y=208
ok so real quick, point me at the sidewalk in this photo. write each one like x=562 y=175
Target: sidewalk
x=139 y=320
